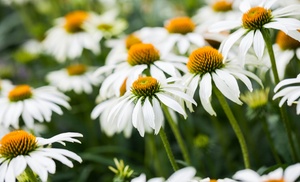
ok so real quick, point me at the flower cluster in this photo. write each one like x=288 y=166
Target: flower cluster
x=156 y=75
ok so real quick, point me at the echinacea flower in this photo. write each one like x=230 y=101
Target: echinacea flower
x=30 y=104
x=215 y=180
x=208 y=68
x=217 y=10
x=258 y=16
x=290 y=174
x=181 y=34
x=20 y=150
x=71 y=35
x=289 y=92
x=285 y=49
x=76 y=77
x=183 y=175
x=141 y=58
x=108 y=23
x=143 y=103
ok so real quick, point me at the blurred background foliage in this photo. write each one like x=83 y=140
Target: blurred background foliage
x=213 y=147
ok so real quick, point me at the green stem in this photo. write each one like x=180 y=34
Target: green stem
x=27 y=175
x=178 y=136
x=234 y=125
x=286 y=122
x=167 y=146
x=269 y=138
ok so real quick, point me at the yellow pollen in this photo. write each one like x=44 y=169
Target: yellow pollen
x=74 y=21
x=286 y=42
x=131 y=40
x=76 y=69
x=222 y=6
x=142 y=54
x=16 y=143
x=145 y=87
x=181 y=25
x=275 y=180
x=123 y=88
x=256 y=18
x=205 y=59
x=105 y=27
x=19 y=93
x=212 y=180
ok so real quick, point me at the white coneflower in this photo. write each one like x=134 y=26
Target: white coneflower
x=141 y=58
x=207 y=67
x=143 y=104
x=290 y=174
x=20 y=150
x=71 y=35
x=76 y=77
x=30 y=104
x=183 y=175
x=257 y=17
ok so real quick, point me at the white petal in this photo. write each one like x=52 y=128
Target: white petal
x=246 y=43
x=205 y=90
x=170 y=102
x=224 y=25
x=228 y=43
x=183 y=45
x=247 y=175
x=182 y=175
x=148 y=113
x=258 y=44
x=159 y=116
x=37 y=168
x=292 y=172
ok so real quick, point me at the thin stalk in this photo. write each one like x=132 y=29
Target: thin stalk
x=167 y=146
x=177 y=134
x=286 y=122
x=272 y=147
x=235 y=126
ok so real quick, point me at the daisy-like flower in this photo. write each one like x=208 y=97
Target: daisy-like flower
x=217 y=10
x=76 y=77
x=72 y=34
x=120 y=47
x=208 y=67
x=214 y=180
x=290 y=174
x=143 y=104
x=141 y=57
x=181 y=34
x=20 y=150
x=109 y=24
x=289 y=92
x=285 y=49
x=183 y=175
x=30 y=104
x=257 y=17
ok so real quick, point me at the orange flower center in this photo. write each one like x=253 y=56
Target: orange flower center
x=212 y=180
x=275 y=180
x=205 y=60
x=131 y=40
x=19 y=93
x=74 y=21
x=145 y=87
x=76 y=69
x=256 y=17
x=142 y=54
x=286 y=42
x=17 y=143
x=181 y=25
x=222 y=6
